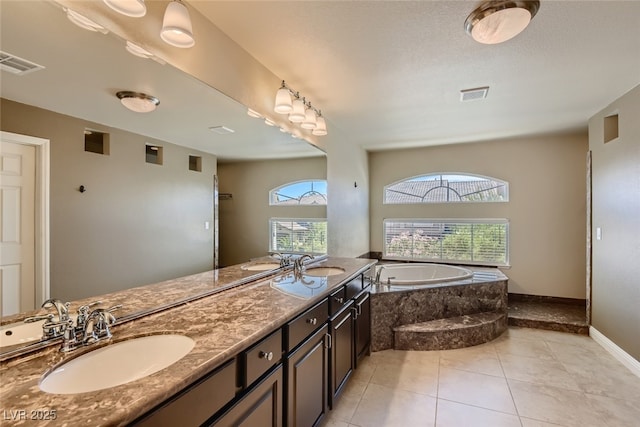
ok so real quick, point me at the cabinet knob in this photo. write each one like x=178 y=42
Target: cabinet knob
x=339 y=300
x=312 y=321
x=266 y=355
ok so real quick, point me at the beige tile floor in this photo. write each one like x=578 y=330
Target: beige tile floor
x=525 y=378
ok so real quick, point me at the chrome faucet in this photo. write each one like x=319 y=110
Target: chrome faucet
x=285 y=260
x=376 y=281
x=52 y=328
x=97 y=325
x=298 y=264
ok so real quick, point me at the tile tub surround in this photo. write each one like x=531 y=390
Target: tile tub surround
x=222 y=326
x=393 y=306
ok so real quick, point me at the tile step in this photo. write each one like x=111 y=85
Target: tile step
x=450 y=333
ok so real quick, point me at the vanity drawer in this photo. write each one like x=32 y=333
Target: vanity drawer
x=261 y=357
x=305 y=324
x=196 y=403
x=337 y=299
x=355 y=287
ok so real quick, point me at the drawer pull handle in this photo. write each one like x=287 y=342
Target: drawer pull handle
x=267 y=356
x=339 y=300
x=355 y=313
x=312 y=321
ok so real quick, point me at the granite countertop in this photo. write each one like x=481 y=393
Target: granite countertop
x=222 y=325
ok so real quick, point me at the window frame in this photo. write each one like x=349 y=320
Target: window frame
x=444 y=221
x=441 y=174
x=273 y=248
x=310 y=180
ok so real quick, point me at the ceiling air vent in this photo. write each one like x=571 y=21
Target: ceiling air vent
x=16 y=65
x=474 y=94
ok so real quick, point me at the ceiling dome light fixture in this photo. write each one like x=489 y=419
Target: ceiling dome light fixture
x=497 y=21
x=176 y=26
x=84 y=22
x=138 y=51
x=138 y=102
x=132 y=8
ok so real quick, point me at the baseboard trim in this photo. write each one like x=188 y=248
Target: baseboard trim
x=622 y=356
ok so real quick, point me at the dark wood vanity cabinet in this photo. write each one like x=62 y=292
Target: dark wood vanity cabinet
x=362 y=327
x=291 y=377
x=261 y=407
x=341 y=362
x=307 y=371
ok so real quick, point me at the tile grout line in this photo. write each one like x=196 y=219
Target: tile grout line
x=508 y=386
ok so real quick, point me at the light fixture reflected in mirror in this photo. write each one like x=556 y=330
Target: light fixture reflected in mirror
x=133 y=8
x=176 y=26
x=84 y=22
x=500 y=20
x=138 y=102
x=138 y=51
x=321 y=127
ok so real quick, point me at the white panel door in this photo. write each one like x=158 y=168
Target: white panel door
x=17 y=230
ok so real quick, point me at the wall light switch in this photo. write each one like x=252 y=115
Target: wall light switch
x=207 y=225
x=598 y=233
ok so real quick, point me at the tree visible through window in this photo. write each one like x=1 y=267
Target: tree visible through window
x=311 y=192
x=447 y=188
x=302 y=235
x=481 y=241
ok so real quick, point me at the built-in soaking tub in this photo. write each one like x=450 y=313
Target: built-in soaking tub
x=436 y=307
x=420 y=274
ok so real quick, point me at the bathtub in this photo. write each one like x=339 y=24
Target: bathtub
x=420 y=274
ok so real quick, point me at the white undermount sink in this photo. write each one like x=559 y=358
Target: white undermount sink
x=261 y=266
x=21 y=333
x=117 y=364
x=323 y=271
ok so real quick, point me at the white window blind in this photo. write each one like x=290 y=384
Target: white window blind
x=475 y=241
x=298 y=235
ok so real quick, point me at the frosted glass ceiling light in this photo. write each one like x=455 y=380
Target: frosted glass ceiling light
x=321 y=127
x=133 y=8
x=138 y=102
x=297 y=114
x=84 y=22
x=136 y=50
x=176 y=26
x=309 y=121
x=283 y=101
x=500 y=20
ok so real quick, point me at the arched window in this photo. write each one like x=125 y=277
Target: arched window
x=309 y=192
x=447 y=188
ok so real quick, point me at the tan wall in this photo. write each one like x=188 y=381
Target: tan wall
x=137 y=223
x=616 y=211
x=244 y=219
x=546 y=210
x=348 y=206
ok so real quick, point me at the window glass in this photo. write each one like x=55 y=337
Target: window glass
x=298 y=235
x=311 y=192
x=446 y=188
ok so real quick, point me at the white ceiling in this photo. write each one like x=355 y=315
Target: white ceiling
x=386 y=74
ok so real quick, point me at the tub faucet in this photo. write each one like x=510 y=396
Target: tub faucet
x=376 y=281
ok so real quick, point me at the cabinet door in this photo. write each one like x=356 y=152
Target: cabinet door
x=261 y=407
x=342 y=351
x=307 y=381
x=363 y=326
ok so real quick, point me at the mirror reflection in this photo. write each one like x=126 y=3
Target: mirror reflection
x=135 y=204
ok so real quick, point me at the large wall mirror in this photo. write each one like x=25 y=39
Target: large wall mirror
x=136 y=222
